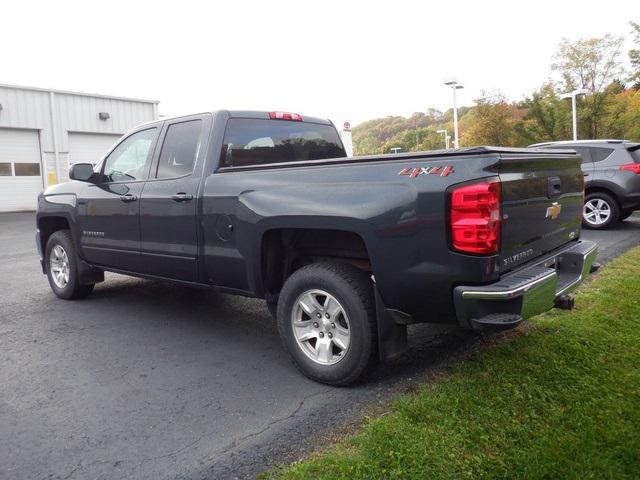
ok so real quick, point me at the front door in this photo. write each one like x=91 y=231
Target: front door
x=109 y=211
x=168 y=214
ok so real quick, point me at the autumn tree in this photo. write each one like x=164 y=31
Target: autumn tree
x=591 y=64
x=634 y=56
x=548 y=117
x=490 y=122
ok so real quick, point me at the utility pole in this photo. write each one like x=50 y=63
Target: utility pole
x=453 y=83
x=574 y=115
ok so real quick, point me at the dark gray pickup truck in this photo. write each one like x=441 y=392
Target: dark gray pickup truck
x=346 y=251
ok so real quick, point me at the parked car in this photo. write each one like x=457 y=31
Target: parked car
x=346 y=251
x=612 y=179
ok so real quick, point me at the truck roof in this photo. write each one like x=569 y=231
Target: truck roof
x=242 y=114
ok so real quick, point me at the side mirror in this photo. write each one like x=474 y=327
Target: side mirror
x=82 y=172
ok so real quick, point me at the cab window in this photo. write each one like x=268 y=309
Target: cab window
x=249 y=141
x=179 y=149
x=129 y=161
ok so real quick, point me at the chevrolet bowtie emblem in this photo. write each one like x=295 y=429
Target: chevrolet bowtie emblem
x=553 y=211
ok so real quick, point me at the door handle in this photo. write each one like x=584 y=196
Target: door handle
x=553 y=187
x=181 y=197
x=128 y=198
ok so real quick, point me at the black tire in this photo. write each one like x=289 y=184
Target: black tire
x=72 y=289
x=624 y=214
x=353 y=290
x=612 y=206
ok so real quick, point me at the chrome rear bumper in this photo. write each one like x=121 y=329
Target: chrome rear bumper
x=525 y=292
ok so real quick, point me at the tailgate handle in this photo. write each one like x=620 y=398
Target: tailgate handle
x=553 y=187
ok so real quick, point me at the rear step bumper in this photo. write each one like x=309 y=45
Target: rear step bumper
x=526 y=292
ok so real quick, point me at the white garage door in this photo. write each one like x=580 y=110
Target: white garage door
x=89 y=147
x=20 y=177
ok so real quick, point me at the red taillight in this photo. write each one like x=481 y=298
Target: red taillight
x=631 y=167
x=295 y=117
x=475 y=218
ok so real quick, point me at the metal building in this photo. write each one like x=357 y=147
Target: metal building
x=43 y=132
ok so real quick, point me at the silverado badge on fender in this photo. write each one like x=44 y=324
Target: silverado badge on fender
x=413 y=172
x=553 y=211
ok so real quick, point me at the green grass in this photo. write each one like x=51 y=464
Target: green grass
x=562 y=400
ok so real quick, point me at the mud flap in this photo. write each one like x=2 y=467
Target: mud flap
x=392 y=336
x=88 y=274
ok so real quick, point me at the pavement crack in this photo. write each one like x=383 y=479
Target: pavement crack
x=174 y=452
x=236 y=441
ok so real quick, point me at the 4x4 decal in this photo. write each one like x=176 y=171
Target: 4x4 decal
x=413 y=172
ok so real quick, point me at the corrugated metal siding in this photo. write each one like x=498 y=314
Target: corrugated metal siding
x=30 y=109
x=26 y=109
x=80 y=114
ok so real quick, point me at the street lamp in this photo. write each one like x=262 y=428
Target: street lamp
x=572 y=96
x=453 y=83
x=447 y=137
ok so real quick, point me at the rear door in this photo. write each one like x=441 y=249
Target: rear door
x=168 y=207
x=587 y=162
x=541 y=204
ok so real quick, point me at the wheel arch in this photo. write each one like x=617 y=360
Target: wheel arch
x=603 y=188
x=48 y=225
x=284 y=250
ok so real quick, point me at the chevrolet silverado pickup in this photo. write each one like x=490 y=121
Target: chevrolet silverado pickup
x=346 y=251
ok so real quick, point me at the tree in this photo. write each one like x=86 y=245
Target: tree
x=591 y=64
x=548 y=117
x=490 y=122
x=634 y=56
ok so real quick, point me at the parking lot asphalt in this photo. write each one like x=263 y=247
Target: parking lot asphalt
x=148 y=380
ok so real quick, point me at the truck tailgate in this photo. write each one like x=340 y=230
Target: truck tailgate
x=542 y=198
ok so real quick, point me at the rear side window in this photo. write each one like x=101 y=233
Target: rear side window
x=258 y=142
x=584 y=153
x=179 y=149
x=635 y=154
x=598 y=153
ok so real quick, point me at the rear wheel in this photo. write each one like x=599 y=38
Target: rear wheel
x=600 y=211
x=62 y=267
x=326 y=320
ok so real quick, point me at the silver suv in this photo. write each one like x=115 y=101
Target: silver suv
x=612 y=179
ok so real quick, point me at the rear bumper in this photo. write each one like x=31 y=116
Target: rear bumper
x=525 y=292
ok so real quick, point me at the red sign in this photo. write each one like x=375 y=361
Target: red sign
x=346 y=127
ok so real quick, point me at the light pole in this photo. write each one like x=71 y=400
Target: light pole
x=446 y=138
x=572 y=96
x=453 y=83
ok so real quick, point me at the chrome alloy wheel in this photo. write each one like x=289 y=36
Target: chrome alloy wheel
x=321 y=327
x=59 y=266
x=596 y=211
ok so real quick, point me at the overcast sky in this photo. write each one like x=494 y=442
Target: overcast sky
x=337 y=59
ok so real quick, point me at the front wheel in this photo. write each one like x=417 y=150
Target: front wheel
x=600 y=211
x=326 y=320
x=62 y=267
